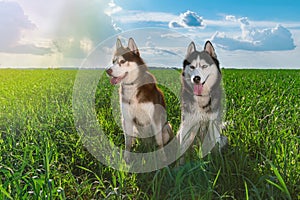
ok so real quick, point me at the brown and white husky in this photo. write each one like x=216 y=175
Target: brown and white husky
x=142 y=103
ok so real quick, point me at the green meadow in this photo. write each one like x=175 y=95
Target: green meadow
x=42 y=156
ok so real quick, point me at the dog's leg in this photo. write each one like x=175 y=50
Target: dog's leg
x=186 y=136
x=158 y=131
x=158 y=123
x=167 y=133
x=128 y=144
x=212 y=137
x=221 y=140
x=129 y=139
x=161 y=129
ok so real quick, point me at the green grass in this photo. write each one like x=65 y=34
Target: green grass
x=43 y=157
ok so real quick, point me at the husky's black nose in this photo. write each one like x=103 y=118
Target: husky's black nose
x=197 y=79
x=109 y=71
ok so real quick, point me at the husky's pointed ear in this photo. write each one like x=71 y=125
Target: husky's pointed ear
x=191 y=49
x=118 y=44
x=210 y=49
x=132 y=46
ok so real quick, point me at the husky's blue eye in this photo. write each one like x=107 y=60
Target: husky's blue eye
x=204 y=66
x=192 y=67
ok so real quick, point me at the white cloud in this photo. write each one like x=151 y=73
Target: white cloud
x=187 y=20
x=113 y=8
x=13 y=23
x=230 y=18
x=86 y=45
x=254 y=39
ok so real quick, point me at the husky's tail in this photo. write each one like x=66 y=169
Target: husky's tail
x=167 y=133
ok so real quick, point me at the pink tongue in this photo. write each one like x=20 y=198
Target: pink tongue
x=198 y=89
x=114 y=80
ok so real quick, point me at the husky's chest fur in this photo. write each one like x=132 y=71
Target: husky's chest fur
x=140 y=113
x=199 y=110
x=140 y=99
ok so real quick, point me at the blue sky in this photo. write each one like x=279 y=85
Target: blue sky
x=255 y=9
x=246 y=34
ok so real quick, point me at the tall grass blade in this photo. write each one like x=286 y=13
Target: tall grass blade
x=246 y=190
x=282 y=185
x=3 y=191
x=216 y=179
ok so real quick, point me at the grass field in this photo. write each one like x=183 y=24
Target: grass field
x=42 y=155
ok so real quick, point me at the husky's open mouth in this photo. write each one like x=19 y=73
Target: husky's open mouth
x=116 y=80
x=198 y=88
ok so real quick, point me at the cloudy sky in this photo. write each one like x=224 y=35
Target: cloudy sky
x=250 y=33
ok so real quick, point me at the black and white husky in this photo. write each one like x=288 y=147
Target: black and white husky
x=201 y=100
x=142 y=103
